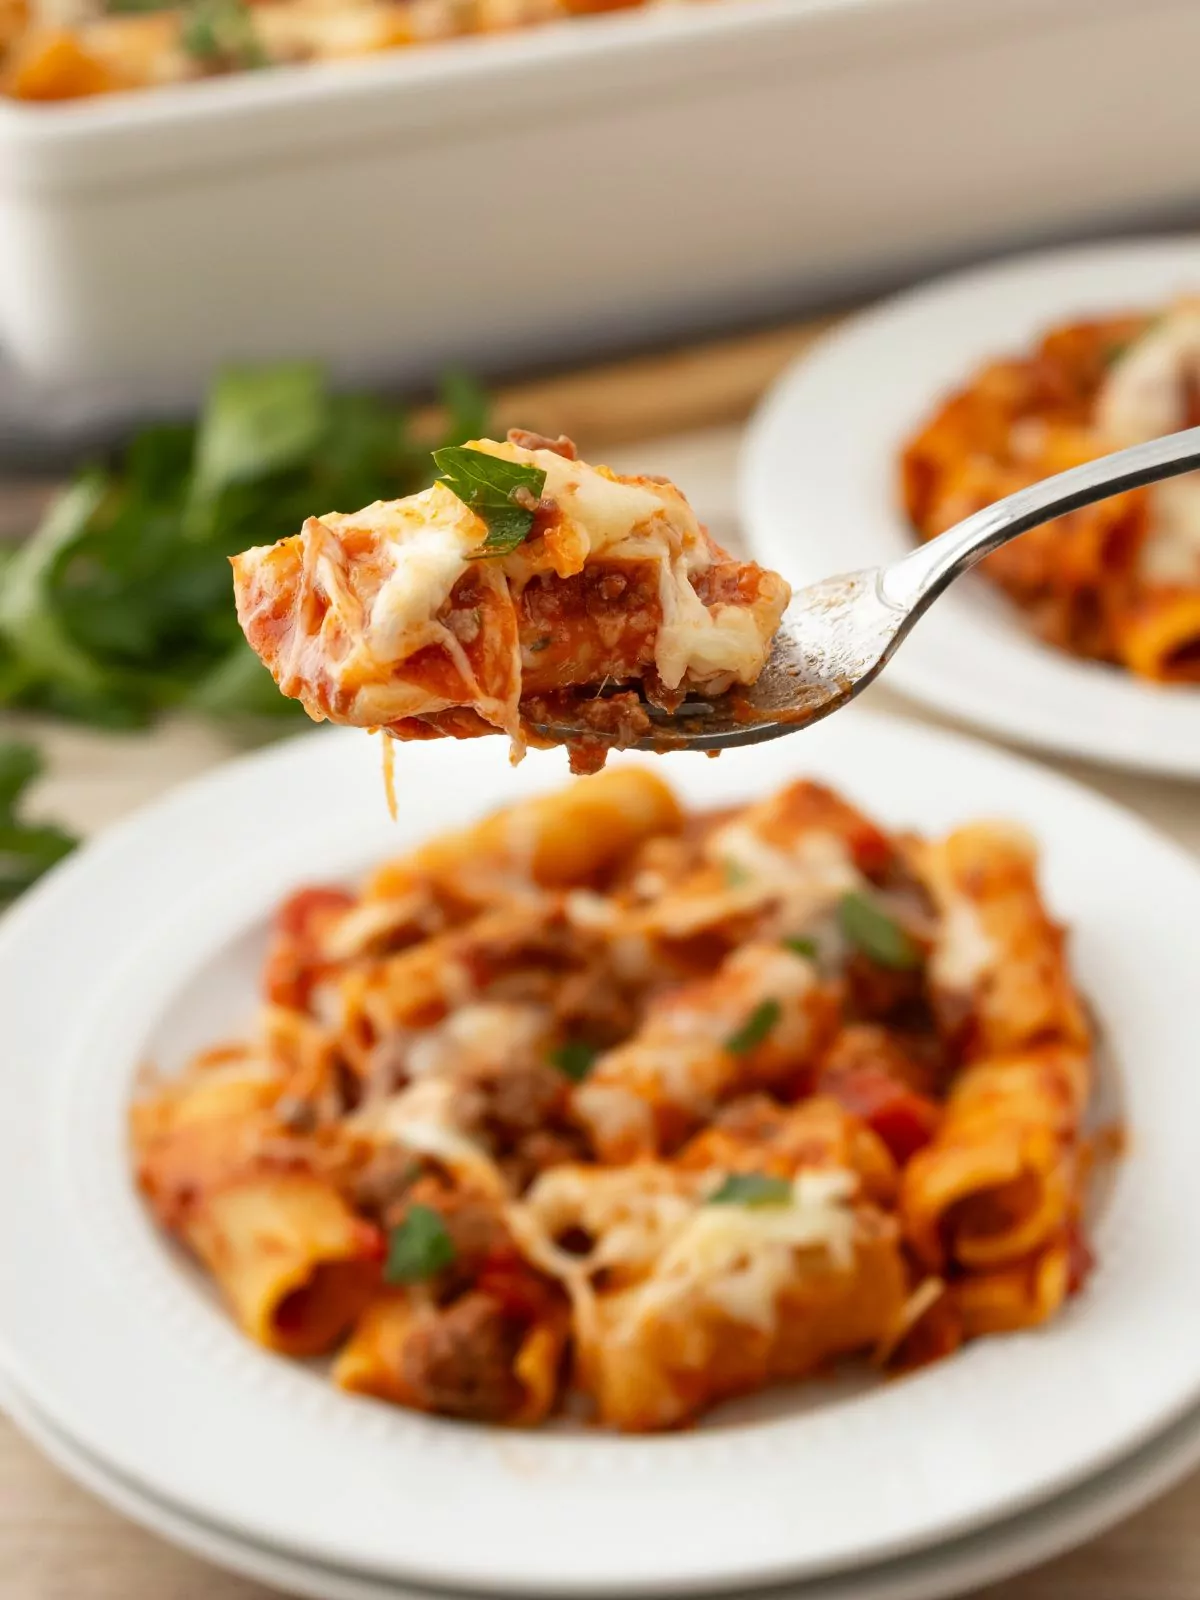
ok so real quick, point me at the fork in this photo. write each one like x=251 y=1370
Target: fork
x=837 y=635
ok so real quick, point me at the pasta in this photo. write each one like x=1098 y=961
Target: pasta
x=595 y=1106
x=1119 y=581
x=77 y=48
x=509 y=596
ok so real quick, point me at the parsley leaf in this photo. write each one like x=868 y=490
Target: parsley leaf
x=419 y=1247
x=752 y=1189
x=574 y=1059
x=735 y=874
x=26 y=849
x=878 y=936
x=801 y=946
x=755 y=1028
x=221 y=33
x=487 y=484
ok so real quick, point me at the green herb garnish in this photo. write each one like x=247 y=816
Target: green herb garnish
x=752 y=1189
x=419 y=1248
x=801 y=946
x=119 y=607
x=26 y=849
x=736 y=875
x=488 y=485
x=877 y=935
x=221 y=33
x=755 y=1028
x=574 y=1059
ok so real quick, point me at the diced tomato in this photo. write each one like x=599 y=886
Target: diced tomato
x=903 y=1119
x=302 y=916
x=871 y=849
x=294 y=959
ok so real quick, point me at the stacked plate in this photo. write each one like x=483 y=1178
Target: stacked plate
x=118 y=1363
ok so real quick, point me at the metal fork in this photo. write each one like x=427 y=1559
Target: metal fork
x=839 y=634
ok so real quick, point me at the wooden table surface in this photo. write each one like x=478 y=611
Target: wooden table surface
x=56 y=1543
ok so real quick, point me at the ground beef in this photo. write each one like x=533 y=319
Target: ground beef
x=460 y=1361
x=381 y=1187
x=520 y=1097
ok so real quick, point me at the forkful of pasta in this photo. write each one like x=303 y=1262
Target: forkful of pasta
x=528 y=593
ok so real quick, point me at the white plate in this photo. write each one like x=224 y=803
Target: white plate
x=138 y=947
x=819 y=496
x=1013 y=1546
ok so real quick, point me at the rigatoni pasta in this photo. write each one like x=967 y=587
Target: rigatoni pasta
x=1118 y=581
x=598 y=1107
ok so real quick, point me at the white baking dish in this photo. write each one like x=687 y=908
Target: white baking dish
x=500 y=200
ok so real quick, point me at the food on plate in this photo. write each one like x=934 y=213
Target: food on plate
x=521 y=589
x=89 y=47
x=600 y=1108
x=1118 y=581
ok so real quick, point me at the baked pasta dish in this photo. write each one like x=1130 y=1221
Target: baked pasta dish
x=523 y=588
x=68 y=49
x=600 y=1109
x=1118 y=581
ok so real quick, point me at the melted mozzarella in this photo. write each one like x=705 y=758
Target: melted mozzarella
x=963 y=952
x=1171 y=551
x=1143 y=396
x=426 y=1118
x=810 y=875
x=427 y=544
x=739 y=1258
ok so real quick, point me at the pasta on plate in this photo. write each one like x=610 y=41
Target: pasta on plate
x=1118 y=581
x=515 y=592
x=603 y=1109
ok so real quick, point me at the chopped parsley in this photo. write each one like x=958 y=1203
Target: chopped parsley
x=499 y=492
x=221 y=33
x=755 y=1028
x=878 y=936
x=752 y=1189
x=419 y=1247
x=574 y=1059
x=800 y=946
x=735 y=874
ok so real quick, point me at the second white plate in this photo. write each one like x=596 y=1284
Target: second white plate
x=819 y=494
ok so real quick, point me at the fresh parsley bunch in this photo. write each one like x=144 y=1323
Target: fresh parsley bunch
x=27 y=849
x=120 y=606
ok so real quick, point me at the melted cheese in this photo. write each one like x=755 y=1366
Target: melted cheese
x=652 y=1222
x=479 y=1034
x=739 y=1258
x=1143 y=396
x=427 y=540
x=426 y=1118
x=809 y=876
x=1170 y=553
x=963 y=952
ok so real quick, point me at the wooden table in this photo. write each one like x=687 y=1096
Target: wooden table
x=58 y=1544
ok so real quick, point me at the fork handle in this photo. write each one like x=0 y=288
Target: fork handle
x=916 y=580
